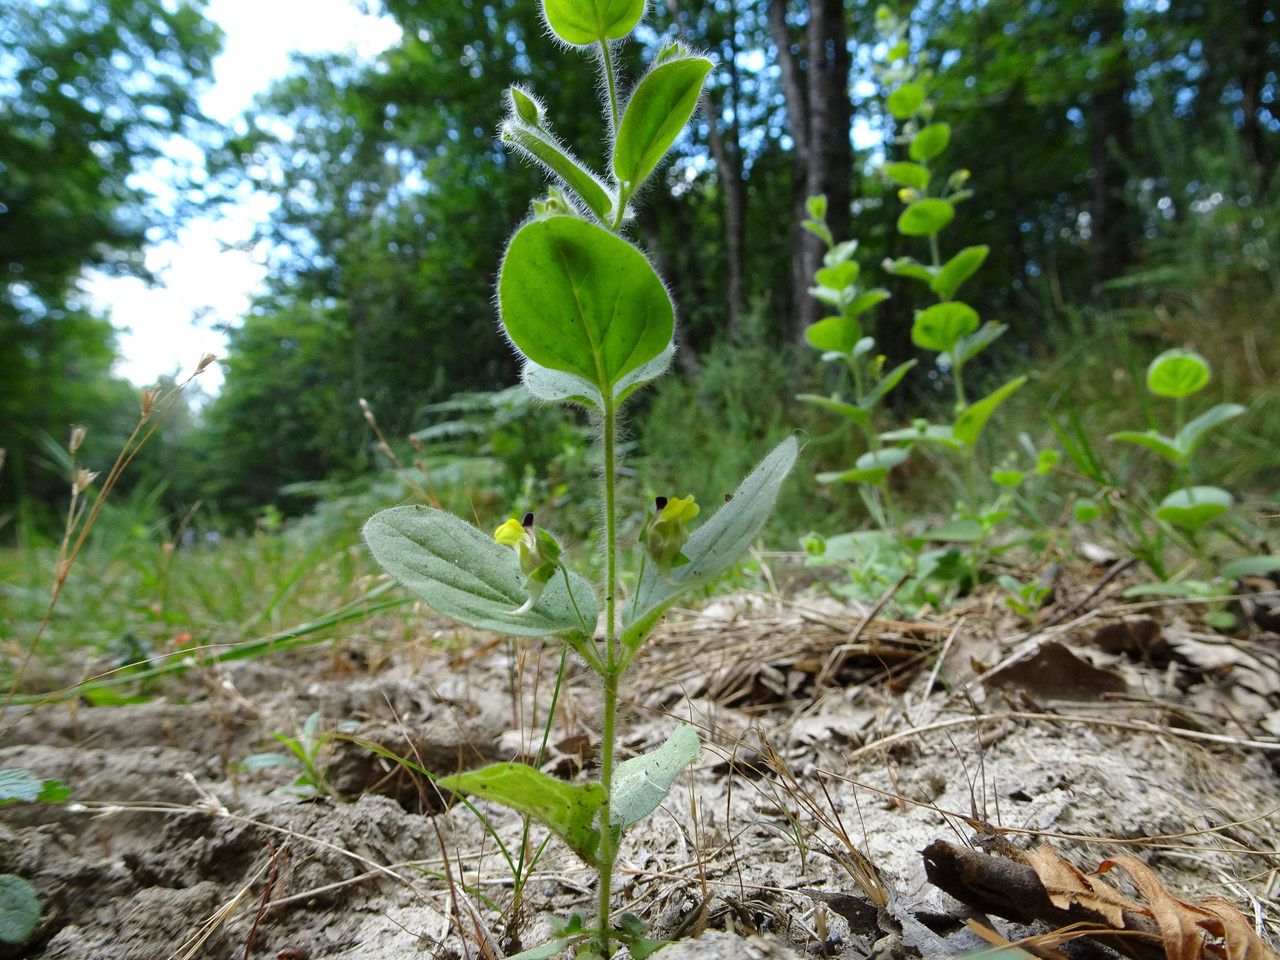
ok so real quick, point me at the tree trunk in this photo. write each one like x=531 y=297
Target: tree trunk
x=820 y=113
x=1252 y=77
x=1110 y=214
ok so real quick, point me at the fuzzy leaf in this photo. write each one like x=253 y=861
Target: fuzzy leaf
x=957 y=270
x=545 y=150
x=568 y=810
x=922 y=432
x=19 y=909
x=930 y=142
x=925 y=217
x=973 y=418
x=658 y=110
x=713 y=547
x=856 y=414
x=584 y=22
x=465 y=574
x=641 y=783
x=872 y=467
x=556 y=386
x=576 y=298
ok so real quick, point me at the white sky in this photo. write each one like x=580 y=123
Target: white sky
x=206 y=278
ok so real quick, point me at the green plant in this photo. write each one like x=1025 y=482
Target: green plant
x=19 y=902
x=304 y=756
x=591 y=322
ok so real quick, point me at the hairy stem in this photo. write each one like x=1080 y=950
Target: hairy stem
x=606 y=58
x=608 y=850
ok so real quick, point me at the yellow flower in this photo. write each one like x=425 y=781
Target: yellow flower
x=510 y=533
x=667 y=534
x=678 y=510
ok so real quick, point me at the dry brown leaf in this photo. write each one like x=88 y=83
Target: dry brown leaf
x=1238 y=936
x=1179 y=922
x=1065 y=885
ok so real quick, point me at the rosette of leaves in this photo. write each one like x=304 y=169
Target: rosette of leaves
x=591 y=322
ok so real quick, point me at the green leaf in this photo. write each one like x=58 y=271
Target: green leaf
x=1086 y=510
x=576 y=298
x=840 y=253
x=1183 y=589
x=925 y=217
x=54 y=791
x=19 y=786
x=1193 y=433
x=1251 y=567
x=973 y=418
x=548 y=950
x=713 y=547
x=1152 y=440
x=865 y=301
x=838 y=277
x=465 y=574
x=872 y=467
x=819 y=230
x=972 y=344
x=930 y=142
x=556 y=386
x=838 y=334
x=584 y=22
x=906 y=100
x=19 y=909
x=958 y=531
x=957 y=270
x=908 y=174
x=1177 y=373
x=816 y=206
x=910 y=267
x=835 y=405
x=266 y=761
x=544 y=149
x=885 y=384
x=923 y=432
x=940 y=326
x=1007 y=478
x=1193 y=507
x=661 y=105
x=570 y=811
x=641 y=783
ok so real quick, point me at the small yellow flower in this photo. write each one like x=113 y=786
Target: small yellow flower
x=667 y=534
x=510 y=533
x=679 y=510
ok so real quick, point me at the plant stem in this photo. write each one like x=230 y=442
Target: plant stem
x=608 y=850
x=606 y=57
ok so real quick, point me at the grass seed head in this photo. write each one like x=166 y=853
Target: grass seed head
x=77 y=438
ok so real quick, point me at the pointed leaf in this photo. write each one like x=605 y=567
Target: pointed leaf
x=584 y=22
x=1251 y=567
x=576 y=298
x=713 y=547
x=570 y=811
x=958 y=531
x=837 y=334
x=465 y=574
x=547 y=951
x=865 y=301
x=1193 y=507
x=940 y=326
x=922 y=432
x=641 y=783
x=925 y=217
x=872 y=467
x=930 y=142
x=957 y=270
x=838 y=277
x=885 y=384
x=974 y=417
x=856 y=414
x=540 y=147
x=972 y=344
x=19 y=909
x=1177 y=373
x=658 y=110
x=908 y=174
x=1193 y=433
x=910 y=267
x=840 y=253
x=1152 y=440
x=906 y=100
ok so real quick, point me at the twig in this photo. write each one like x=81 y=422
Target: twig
x=272 y=872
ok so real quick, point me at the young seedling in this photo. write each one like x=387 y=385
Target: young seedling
x=304 y=756
x=592 y=322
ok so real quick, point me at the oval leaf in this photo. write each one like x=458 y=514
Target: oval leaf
x=576 y=298
x=930 y=142
x=973 y=418
x=19 y=786
x=908 y=174
x=713 y=547
x=1177 y=373
x=641 y=783
x=957 y=270
x=570 y=811
x=1193 y=507
x=1191 y=435
x=838 y=277
x=940 y=326
x=910 y=267
x=1152 y=440
x=546 y=151
x=19 y=909
x=661 y=105
x=556 y=386
x=584 y=22
x=856 y=414
x=906 y=100
x=465 y=574
x=925 y=217
x=872 y=467
x=837 y=334
x=1251 y=566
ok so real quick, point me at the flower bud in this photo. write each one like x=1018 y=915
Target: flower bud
x=525 y=106
x=77 y=438
x=537 y=551
x=667 y=532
